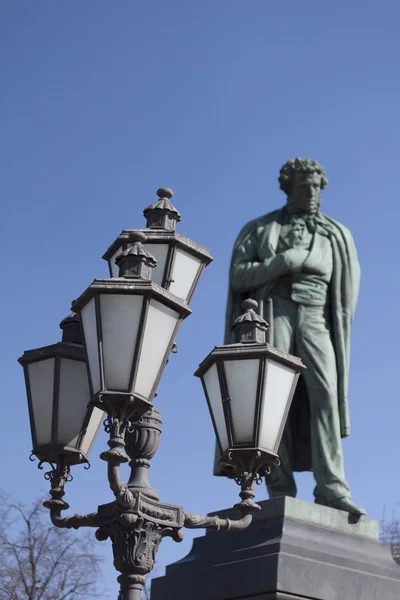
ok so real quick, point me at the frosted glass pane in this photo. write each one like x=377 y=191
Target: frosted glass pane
x=41 y=378
x=114 y=266
x=214 y=395
x=242 y=379
x=120 y=316
x=88 y=315
x=160 y=253
x=159 y=329
x=184 y=273
x=279 y=383
x=92 y=429
x=74 y=397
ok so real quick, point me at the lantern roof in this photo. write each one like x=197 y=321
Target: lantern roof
x=159 y=236
x=63 y=349
x=120 y=285
x=245 y=351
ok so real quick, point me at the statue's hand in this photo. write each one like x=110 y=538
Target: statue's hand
x=295 y=258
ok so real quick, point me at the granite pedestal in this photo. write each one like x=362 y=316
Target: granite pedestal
x=293 y=550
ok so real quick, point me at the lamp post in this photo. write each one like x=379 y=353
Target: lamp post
x=129 y=326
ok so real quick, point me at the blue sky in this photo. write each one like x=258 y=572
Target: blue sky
x=102 y=103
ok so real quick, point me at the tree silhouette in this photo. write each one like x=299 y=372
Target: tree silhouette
x=41 y=562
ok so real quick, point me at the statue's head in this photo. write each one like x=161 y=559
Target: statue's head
x=302 y=180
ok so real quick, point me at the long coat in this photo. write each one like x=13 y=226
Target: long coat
x=344 y=288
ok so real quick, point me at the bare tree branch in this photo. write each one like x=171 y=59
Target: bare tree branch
x=390 y=534
x=41 y=562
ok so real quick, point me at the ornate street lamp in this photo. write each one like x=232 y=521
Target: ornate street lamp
x=129 y=325
x=62 y=424
x=180 y=261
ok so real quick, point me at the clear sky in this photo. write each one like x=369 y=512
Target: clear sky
x=102 y=103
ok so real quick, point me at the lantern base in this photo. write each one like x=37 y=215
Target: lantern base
x=254 y=462
x=52 y=453
x=292 y=550
x=126 y=406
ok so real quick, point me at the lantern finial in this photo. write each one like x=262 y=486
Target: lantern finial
x=162 y=214
x=136 y=262
x=71 y=329
x=250 y=326
x=165 y=193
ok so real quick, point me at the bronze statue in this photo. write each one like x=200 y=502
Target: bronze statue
x=302 y=268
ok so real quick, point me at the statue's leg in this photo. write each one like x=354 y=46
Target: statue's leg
x=281 y=481
x=314 y=346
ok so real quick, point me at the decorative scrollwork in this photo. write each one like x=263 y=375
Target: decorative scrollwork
x=59 y=475
x=135 y=543
x=108 y=423
x=157 y=513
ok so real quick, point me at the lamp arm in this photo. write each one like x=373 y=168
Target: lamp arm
x=74 y=522
x=58 y=477
x=247 y=507
x=116 y=427
x=193 y=521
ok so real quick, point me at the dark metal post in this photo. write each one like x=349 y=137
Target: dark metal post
x=131 y=586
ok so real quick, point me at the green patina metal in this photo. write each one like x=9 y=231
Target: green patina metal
x=301 y=267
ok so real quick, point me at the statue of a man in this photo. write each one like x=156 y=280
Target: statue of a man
x=302 y=268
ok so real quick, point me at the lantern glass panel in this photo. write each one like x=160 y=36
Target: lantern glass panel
x=88 y=315
x=279 y=382
x=185 y=270
x=213 y=390
x=95 y=420
x=41 y=379
x=159 y=329
x=242 y=380
x=120 y=318
x=160 y=253
x=74 y=396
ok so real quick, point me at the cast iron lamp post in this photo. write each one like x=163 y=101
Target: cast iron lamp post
x=129 y=326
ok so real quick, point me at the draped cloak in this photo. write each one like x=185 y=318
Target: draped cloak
x=344 y=288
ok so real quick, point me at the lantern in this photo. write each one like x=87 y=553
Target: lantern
x=249 y=388
x=180 y=261
x=62 y=422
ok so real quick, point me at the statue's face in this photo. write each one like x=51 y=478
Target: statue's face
x=306 y=192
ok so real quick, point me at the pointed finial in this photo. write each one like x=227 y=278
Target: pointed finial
x=71 y=329
x=250 y=326
x=162 y=214
x=136 y=262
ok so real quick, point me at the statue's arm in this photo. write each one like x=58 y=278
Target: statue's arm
x=249 y=273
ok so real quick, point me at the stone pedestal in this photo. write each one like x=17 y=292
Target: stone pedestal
x=293 y=550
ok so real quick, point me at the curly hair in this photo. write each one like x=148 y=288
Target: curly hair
x=304 y=165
